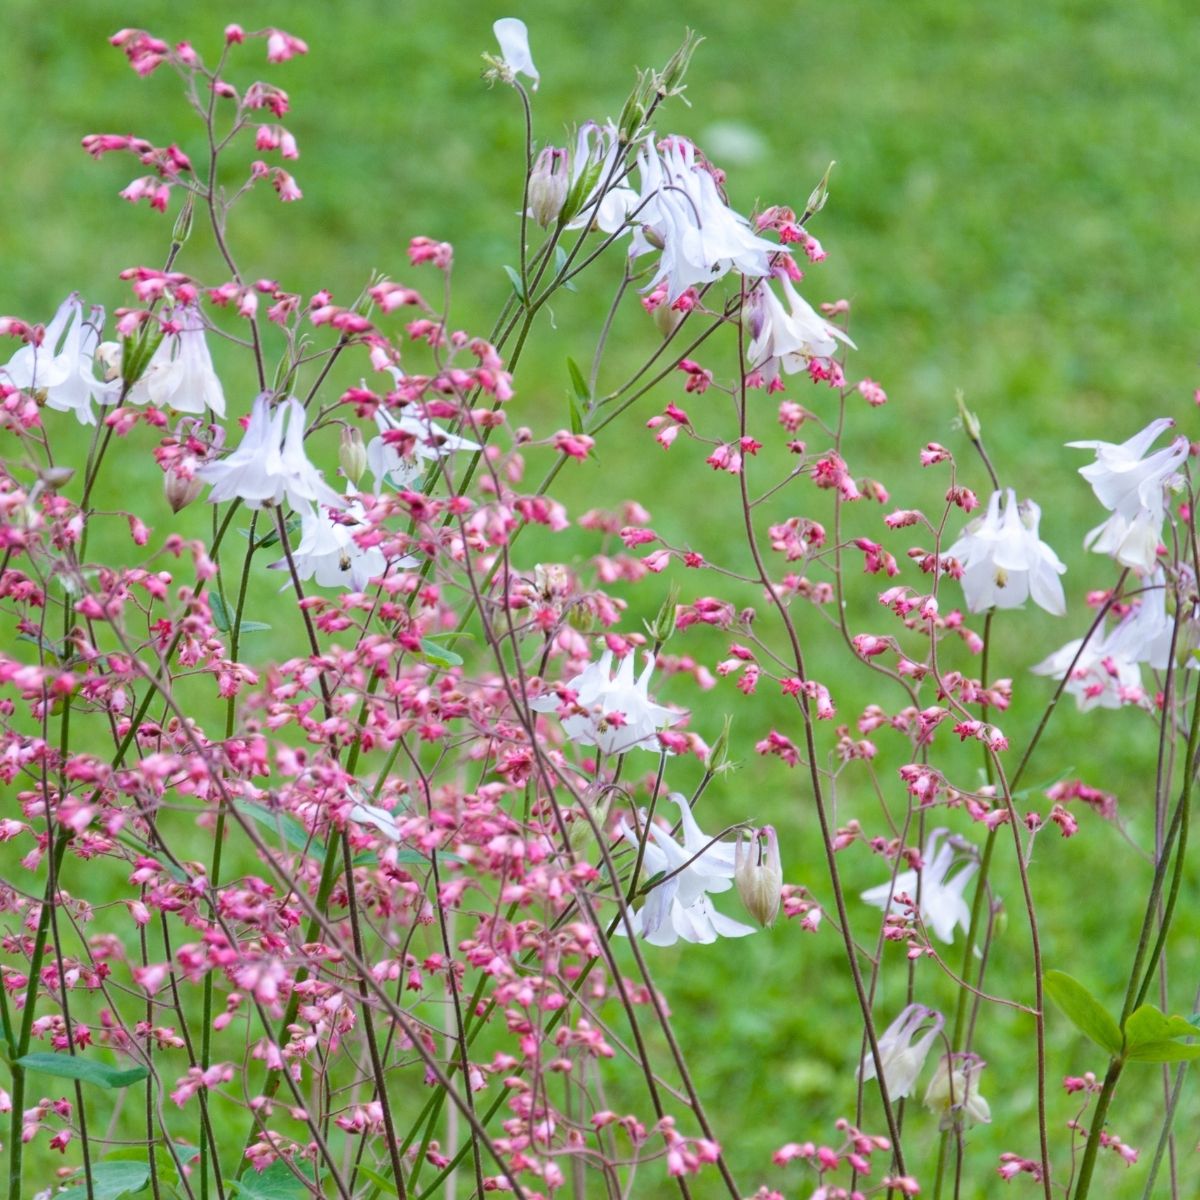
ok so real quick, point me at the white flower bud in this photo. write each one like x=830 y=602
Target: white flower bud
x=758 y=874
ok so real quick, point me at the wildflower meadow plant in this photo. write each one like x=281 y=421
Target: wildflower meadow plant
x=356 y=789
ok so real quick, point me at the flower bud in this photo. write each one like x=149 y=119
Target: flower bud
x=56 y=477
x=819 y=194
x=180 y=490
x=183 y=223
x=548 y=184
x=717 y=759
x=108 y=355
x=663 y=625
x=953 y=1091
x=670 y=82
x=581 y=832
x=758 y=874
x=352 y=453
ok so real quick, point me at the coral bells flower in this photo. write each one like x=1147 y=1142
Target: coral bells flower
x=679 y=907
x=612 y=712
x=953 y=1091
x=270 y=462
x=60 y=367
x=902 y=1061
x=940 y=899
x=787 y=339
x=681 y=212
x=180 y=375
x=513 y=37
x=758 y=874
x=1132 y=487
x=1005 y=562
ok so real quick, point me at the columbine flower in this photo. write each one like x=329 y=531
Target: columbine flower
x=548 y=184
x=1005 y=562
x=1132 y=489
x=327 y=551
x=679 y=907
x=513 y=37
x=62 y=366
x=270 y=463
x=406 y=444
x=680 y=211
x=758 y=873
x=618 y=199
x=902 y=1061
x=1107 y=674
x=611 y=712
x=954 y=1090
x=940 y=899
x=787 y=338
x=180 y=374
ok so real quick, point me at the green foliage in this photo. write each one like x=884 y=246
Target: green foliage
x=1084 y=1011
x=86 y=1070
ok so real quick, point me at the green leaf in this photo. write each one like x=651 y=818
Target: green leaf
x=518 y=286
x=1162 y=1052
x=578 y=382
x=560 y=262
x=382 y=1182
x=112 y=1180
x=252 y=626
x=581 y=189
x=285 y=826
x=86 y=1070
x=1150 y=1036
x=277 y=1182
x=1084 y=1011
x=440 y=655
x=220 y=614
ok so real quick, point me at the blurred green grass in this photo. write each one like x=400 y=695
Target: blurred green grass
x=1014 y=213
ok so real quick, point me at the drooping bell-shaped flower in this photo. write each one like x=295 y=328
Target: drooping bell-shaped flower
x=787 y=339
x=62 y=367
x=1004 y=560
x=681 y=212
x=329 y=554
x=953 y=1092
x=180 y=373
x=902 y=1058
x=269 y=463
x=758 y=873
x=611 y=199
x=1132 y=487
x=513 y=36
x=679 y=908
x=939 y=897
x=611 y=712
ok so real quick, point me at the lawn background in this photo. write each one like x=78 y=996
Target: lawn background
x=1014 y=213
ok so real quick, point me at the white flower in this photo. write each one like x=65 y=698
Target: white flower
x=1100 y=679
x=1107 y=674
x=379 y=818
x=406 y=444
x=513 y=37
x=327 y=551
x=1005 y=562
x=270 y=463
x=679 y=907
x=1132 y=488
x=62 y=366
x=611 y=712
x=787 y=338
x=758 y=873
x=680 y=211
x=954 y=1090
x=941 y=900
x=618 y=199
x=180 y=373
x=902 y=1061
